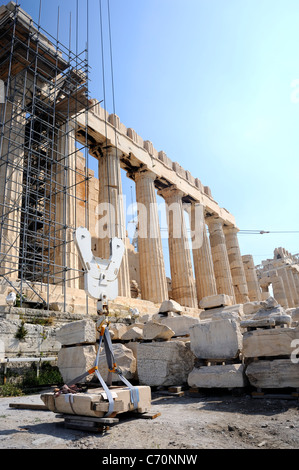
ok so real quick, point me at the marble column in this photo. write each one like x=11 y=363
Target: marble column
x=279 y=290
x=183 y=284
x=111 y=210
x=202 y=256
x=254 y=290
x=153 y=283
x=11 y=187
x=222 y=270
x=67 y=255
x=236 y=264
x=282 y=271
x=292 y=285
x=296 y=280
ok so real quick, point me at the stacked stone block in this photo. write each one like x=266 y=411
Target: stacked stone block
x=268 y=346
x=217 y=345
x=159 y=343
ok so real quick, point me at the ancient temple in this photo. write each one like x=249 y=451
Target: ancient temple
x=50 y=128
x=282 y=273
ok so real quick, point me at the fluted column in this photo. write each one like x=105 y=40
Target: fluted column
x=279 y=290
x=282 y=271
x=202 y=256
x=183 y=285
x=222 y=271
x=66 y=254
x=292 y=285
x=236 y=265
x=296 y=280
x=11 y=186
x=254 y=290
x=111 y=211
x=151 y=260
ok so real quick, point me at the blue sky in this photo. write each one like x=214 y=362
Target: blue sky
x=212 y=83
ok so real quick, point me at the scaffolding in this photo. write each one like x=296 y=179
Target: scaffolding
x=42 y=185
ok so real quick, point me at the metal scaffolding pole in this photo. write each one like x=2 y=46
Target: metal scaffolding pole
x=46 y=89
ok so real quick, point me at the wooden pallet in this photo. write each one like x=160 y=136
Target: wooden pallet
x=94 y=424
x=205 y=392
x=218 y=362
x=28 y=406
x=88 y=423
x=173 y=391
x=260 y=393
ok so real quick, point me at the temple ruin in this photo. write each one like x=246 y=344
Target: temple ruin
x=282 y=272
x=50 y=129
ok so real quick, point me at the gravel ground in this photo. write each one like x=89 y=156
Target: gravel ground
x=213 y=421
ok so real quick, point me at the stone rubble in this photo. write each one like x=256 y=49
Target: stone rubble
x=210 y=281
x=225 y=346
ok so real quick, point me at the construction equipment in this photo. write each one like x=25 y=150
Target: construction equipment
x=100 y=275
x=100 y=282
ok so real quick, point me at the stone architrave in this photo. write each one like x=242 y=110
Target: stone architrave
x=222 y=270
x=95 y=405
x=183 y=284
x=236 y=265
x=254 y=290
x=111 y=208
x=151 y=261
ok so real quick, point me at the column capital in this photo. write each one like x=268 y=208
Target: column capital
x=214 y=220
x=230 y=229
x=109 y=150
x=192 y=205
x=144 y=172
x=171 y=193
